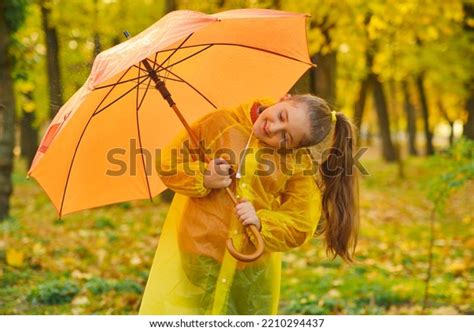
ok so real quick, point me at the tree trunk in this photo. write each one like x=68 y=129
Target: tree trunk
x=425 y=112
x=388 y=150
x=28 y=134
x=303 y=85
x=444 y=113
x=360 y=103
x=370 y=136
x=392 y=97
x=52 y=58
x=7 y=117
x=323 y=78
x=97 y=43
x=410 y=118
x=170 y=5
x=468 y=129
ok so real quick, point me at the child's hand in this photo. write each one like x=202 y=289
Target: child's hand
x=247 y=214
x=217 y=174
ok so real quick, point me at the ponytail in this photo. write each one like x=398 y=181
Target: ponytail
x=332 y=139
x=340 y=193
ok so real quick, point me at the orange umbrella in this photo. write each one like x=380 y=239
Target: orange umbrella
x=206 y=61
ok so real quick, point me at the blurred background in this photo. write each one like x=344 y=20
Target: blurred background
x=402 y=70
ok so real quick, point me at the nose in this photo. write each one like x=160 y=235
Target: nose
x=276 y=127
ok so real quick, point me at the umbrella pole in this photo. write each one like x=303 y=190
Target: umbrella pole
x=161 y=87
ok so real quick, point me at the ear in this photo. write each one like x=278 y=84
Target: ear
x=285 y=97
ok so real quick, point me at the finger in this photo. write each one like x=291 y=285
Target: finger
x=246 y=206
x=247 y=215
x=249 y=222
x=224 y=165
x=243 y=206
x=219 y=161
x=242 y=212
x=224 y=178
x=223 y=168
x=227 y=182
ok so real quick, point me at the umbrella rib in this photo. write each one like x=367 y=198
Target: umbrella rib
x=79 y=141
x=245 y=46
x=265 y=51
x=189 y=84
x=120 y=97
x=137 y=106
x=174 y=51
x=161 y=67
x=118 y=83
x=146 y=73
x=208 y=46
x=156 y=54
x=144 y=95
x=132 y=79
x=184 y=59
x=162 y=77
x=173 y=64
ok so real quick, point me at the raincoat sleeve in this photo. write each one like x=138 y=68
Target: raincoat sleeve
x=180 y=168
x=295 y=221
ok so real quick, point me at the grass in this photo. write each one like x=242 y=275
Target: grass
x=97 y=261
x=392 y=255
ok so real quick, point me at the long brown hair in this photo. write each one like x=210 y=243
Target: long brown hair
x=332 y=137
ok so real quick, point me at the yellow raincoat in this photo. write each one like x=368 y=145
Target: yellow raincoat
x=192 y=272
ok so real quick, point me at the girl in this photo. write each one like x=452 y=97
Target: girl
x=280 y=191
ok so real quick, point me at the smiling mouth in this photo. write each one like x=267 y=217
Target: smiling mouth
x=265 y=128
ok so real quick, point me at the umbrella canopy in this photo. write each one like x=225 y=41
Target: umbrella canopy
x=90 y=155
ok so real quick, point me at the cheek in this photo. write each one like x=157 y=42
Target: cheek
x=256 y=127
x=272 y=142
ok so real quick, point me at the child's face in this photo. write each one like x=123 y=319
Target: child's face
x=284 y=123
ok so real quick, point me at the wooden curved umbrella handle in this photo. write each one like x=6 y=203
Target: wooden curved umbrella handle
x=247 y=257
x=258 y=248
